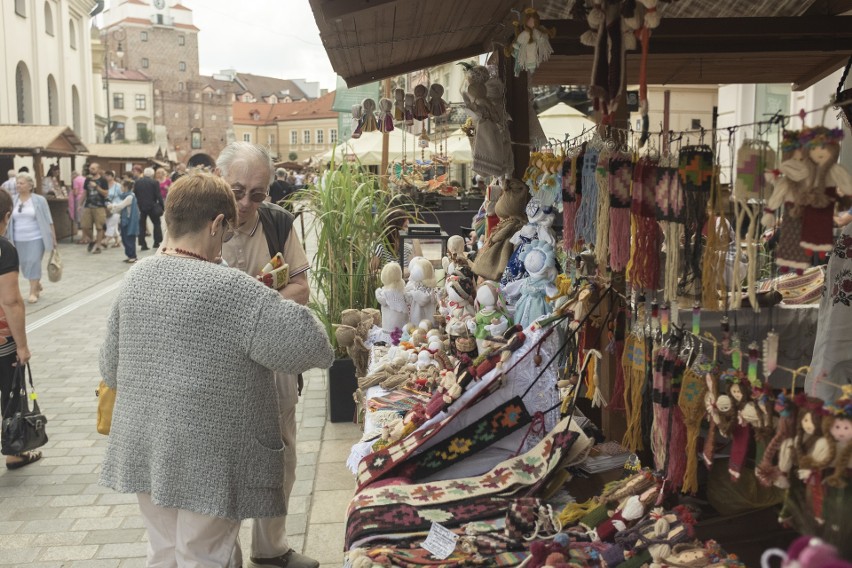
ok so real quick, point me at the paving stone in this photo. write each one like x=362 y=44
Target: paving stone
x=335 y=451
x=93 y=563
x=126 y=510
x=113 y=498
x=48 y=526
x=302 y=487
x=313 y=422
x=133 y=563
x=114 y=536
x=72 y=500
x=331 y=475
x=307 y=446
x=80 y=552
x=9 y=527
x=298 y=504
x=329 y=506
x=324 y=543
x=58 y=538
x=15 y=541
x=43 y=513
x=124 y=550
x=342 y=431
x=309 y=434
x=19 y=557
x=91 y=511
x=94 y=524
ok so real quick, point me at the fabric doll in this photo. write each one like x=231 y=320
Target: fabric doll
x=531 y=47
x=830 y=181
x=459 y=303
x=437 y=105
x=421 y=295
x=357 y=115
x=347 y=337
x=399 y=105
x=540 y=262
x=511 y=208
x=492 y=194
x=515 y=270
x=391 y=297
x=462 y=343
x=456 y=260
x=492 y=319
x=421 y=106
x=368 y=118
x=492 y=146
x=841 y=434
x=385 y=120
x=409 y=109
x=740 y=429
x=781 y=445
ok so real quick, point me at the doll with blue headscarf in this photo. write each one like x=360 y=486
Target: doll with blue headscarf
x=539 y=261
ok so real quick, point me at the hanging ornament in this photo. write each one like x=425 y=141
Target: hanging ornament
x=770 y=353
x=357 y=114
x=696 y=319
x=368 y=119
x=736 y=354
x=531 y=47
x=655 y=316
x=421 y=106
x=399 y=105
x=437 y=105
x=665 y=318
x=726 y=335
x=753 y=358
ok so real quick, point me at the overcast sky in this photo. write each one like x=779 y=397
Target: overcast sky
x=278 y=38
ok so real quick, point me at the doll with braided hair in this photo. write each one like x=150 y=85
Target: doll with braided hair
x=531 y=47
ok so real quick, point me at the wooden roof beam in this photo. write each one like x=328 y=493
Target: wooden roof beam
x=335 y=9
x=436 y=59
x=726 y=35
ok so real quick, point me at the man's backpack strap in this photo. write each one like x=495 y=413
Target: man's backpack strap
x=277 y=224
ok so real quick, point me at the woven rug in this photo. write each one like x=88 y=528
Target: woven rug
x=515 y=476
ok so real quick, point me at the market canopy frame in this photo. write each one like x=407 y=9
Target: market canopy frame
x=698 y=41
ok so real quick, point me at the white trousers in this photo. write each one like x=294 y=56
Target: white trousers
x=178 y=538
x=269 y=535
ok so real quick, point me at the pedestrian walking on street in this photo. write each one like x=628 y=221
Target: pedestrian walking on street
x=93 y=220
x=191 y=348
x=31 y=230
x=13 y=349
x=263 y=230
x=128 y=212
x=150 y=203
x=113 y=197
x=75 y=199
x=164 y=180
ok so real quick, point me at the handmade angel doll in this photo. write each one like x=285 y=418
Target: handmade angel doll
x=437 y=105
x=421 y=294
x=831 y=180
x=357 y=115
x=531 y=47
x=492 y=145
x=399 y=105
x=459 y=302
x=515 y=270
x=385 y=120
x=492 y=319
x=540 y=262
x=391 y=297
x=421 y=105
x=456 y=257
x=368 y=119
x=409 y=109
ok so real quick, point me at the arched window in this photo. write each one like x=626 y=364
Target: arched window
x=24 y=93
x=48 y=19
x=52 y=101
x=72 y=34
x=75 y=109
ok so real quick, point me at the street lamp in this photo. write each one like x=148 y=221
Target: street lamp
x=118 y=36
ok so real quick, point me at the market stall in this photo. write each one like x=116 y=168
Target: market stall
x=631 y=392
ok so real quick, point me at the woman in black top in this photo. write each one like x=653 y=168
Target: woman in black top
x=13 y=335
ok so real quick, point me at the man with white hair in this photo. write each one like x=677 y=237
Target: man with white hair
x=263 y=230
x=150 y=202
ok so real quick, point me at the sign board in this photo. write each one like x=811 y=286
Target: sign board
x=344 y=98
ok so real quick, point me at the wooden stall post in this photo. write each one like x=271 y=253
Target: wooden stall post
x=518 y=107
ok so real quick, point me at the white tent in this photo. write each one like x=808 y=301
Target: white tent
x=562 y=119
x=368 y=148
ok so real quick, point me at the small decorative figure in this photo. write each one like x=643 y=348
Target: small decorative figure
x=421 y=107
x=368 y=118
x=409 y=109
x=357 y=115
x=385 y=115
x=531 y=47
x=391 y=297
x=437 y=105
x=540 y=262
x=399 y=105
x=420 y=291
x=492 y=319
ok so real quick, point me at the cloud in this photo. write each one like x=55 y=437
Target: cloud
x=278 y=38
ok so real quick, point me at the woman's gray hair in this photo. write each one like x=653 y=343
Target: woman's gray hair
x=27 y=177
x=148 y=172
x=247 y=151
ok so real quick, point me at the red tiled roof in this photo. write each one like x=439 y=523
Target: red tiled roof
x=128 y=75
x=316 y=108
x=180 y=6
x=283 y=112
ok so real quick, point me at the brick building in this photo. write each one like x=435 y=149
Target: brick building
x=191 y=112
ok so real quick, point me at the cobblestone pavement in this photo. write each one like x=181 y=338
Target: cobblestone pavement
x=53 y=513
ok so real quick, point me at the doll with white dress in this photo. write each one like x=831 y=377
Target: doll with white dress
x=392 y=299
x=531 y=47
x=420 y=292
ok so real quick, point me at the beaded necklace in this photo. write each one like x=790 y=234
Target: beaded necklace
x=187 y=253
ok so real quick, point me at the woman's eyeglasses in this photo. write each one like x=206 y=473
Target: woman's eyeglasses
x=256 y=196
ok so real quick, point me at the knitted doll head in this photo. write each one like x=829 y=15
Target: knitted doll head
x=392 y=276
x=375 y=314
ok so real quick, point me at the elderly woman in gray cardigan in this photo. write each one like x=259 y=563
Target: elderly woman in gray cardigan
x=191 y=348
x=31 y=230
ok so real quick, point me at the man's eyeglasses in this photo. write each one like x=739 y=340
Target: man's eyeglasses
x=256 y=196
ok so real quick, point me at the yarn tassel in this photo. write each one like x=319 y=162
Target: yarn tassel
x=677 y=444
x=573 y=512
x=569 y=216
x=740 y=436
x=619 y=238
x=673 y=234
x=584 y=224
x=660 y=428
x=603 y=216
x=633 y=362
x=715 y=251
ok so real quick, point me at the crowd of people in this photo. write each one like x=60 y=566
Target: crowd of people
x=241 y=347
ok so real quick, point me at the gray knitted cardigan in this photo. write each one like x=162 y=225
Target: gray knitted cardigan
x=191 y=348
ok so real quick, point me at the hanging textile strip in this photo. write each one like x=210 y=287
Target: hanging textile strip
x=696 y=168
x=603 y=217
x=715 y=250
x=584 y=225
x=571 y=198
x=669 y=209
x=618 y=183
x=511 y=477
x=633 y=361
x=691 y=404
x=676 y=459
x=643 y=270
x=663 y=367
x=498 y=424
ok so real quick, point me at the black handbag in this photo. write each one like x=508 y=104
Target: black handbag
x=23 y=429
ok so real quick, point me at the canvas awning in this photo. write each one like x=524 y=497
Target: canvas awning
x=562 y=119
x=34 y=139
x=128 y=152
x=698 y=42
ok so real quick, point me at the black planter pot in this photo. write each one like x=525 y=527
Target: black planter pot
x=341 y=386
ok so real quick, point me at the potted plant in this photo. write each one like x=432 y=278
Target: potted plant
x=350 y=209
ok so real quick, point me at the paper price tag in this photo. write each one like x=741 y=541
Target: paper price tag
x=441 y=541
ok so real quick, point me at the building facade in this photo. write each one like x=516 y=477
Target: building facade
x=293 y=131
x=158 y=39
x=46 y=64
x=131 y=102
